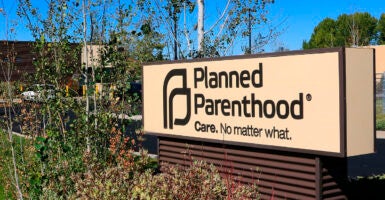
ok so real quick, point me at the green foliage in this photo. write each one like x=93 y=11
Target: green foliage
x=363 y=29
x=381 y=29
x=380 y=124
x=380 y=116
x=3 y=194
x=15 y=89
x=323 y=35
x=358 y=29
x=24 y=159
x=6 y=190
x=56 y=61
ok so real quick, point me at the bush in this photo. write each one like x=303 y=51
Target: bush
x=199 y=181
x=380 y=124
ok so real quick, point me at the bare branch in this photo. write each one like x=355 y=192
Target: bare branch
x=222 y=26
x=220 y=17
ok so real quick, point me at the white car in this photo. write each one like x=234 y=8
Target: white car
x=39 y=92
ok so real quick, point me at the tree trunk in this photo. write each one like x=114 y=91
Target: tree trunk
x=200 y=25
x=86 y=71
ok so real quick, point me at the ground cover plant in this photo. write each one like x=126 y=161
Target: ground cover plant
x=380 y=115
x=127 y=176
x=370 y=187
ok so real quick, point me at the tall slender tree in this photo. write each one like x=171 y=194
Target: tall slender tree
x=7 y=67
x=200 y=35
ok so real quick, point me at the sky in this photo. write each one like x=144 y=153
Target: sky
x=296 y=18
x=303 y=15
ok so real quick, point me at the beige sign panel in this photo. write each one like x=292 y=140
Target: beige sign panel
x=360 y=118
x=293 y=101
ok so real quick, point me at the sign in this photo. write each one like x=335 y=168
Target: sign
x=317 y=101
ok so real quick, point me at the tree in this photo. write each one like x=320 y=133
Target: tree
x=174 y=8
x=236 y=20
x=197 y=34
x=358 y=29
x=362 y=29
x=7 y=91
x=201 y=33
x=381 y=29
x=324 y=35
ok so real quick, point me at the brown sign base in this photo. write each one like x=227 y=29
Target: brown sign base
x=278 y=174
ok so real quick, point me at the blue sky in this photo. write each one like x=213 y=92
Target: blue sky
x=301 y=16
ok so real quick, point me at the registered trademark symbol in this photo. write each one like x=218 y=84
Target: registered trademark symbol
x=308 y=97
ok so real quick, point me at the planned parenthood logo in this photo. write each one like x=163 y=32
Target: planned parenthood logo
x=168 y=99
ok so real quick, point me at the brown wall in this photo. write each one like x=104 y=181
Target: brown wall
x=278 y=174
x=22 y=53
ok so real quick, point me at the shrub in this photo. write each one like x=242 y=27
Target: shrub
x=199 y=181
x=380 y=124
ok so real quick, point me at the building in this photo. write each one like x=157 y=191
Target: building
x=21 y=52
x=380 y=58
